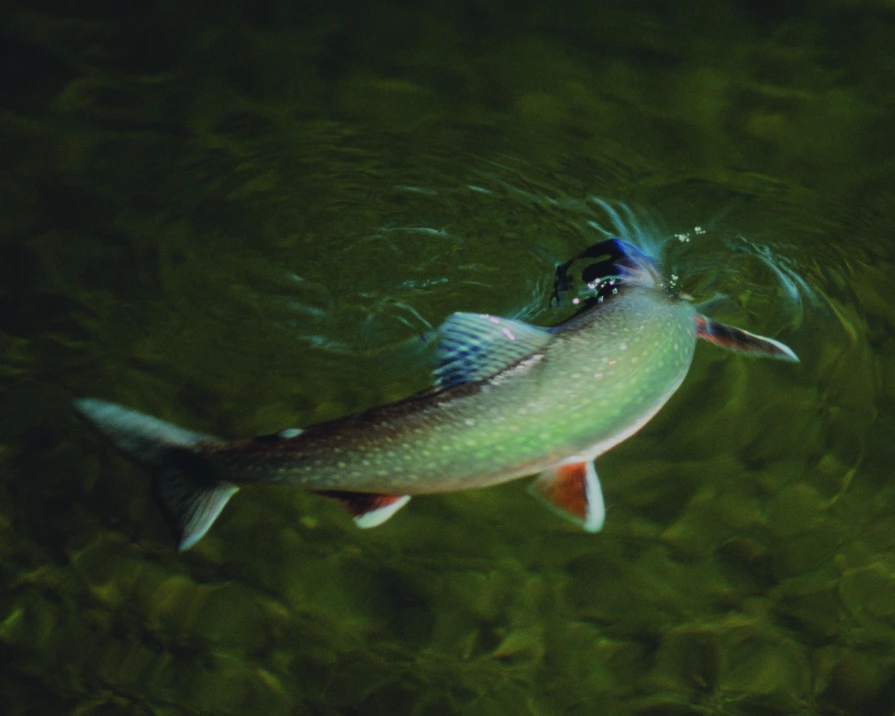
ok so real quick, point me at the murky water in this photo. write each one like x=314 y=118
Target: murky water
x=249 y=218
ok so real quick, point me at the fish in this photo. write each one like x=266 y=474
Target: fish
x=510 y=400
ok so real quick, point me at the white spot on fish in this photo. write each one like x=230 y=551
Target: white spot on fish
x=494 y=320
x=508 y=333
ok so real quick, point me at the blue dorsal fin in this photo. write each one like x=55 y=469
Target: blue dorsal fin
x=474 y=346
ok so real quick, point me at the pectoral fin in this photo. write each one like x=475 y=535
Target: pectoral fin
x=574 y=490
x=368 y=509
x=736 y=339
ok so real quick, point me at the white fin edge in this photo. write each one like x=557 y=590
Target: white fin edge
x=376 y=517
x=289 y=433
x=787 y=353
x=596 y=505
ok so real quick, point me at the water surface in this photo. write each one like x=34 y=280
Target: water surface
x=247 y=218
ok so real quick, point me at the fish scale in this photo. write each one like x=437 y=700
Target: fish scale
x=573 y=400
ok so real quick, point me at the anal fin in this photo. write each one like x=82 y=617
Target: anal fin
x=369 y=509
x=574 y=490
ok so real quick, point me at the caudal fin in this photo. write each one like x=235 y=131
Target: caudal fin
x=189 y=493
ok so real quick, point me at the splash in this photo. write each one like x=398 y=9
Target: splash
x=631 y=224
x=490 y=238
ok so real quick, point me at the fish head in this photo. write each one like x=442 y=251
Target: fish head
x=605 y=267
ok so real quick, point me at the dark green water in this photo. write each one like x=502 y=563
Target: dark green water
x=240 y=217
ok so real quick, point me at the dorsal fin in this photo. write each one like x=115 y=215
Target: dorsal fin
x=474 y=346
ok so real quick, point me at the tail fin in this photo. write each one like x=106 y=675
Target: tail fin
x=189 y=493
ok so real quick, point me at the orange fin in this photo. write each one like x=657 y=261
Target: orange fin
x=736 y=339
x=574 y=489
x=369 y=509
